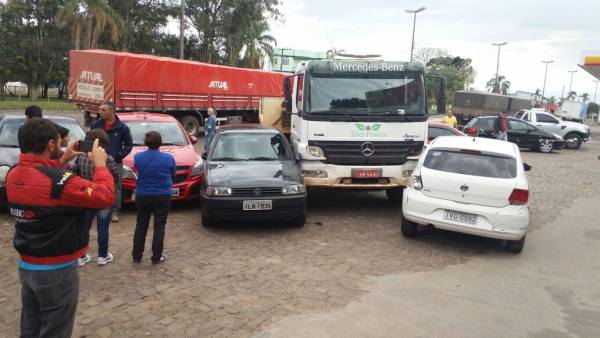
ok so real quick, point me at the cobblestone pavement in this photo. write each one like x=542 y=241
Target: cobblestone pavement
x=235 y=280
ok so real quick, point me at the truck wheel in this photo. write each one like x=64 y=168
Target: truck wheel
x=408 y=228
x=573 y=141
x=190 y=124
x=546 y=146
x=394 y=195
x=516 y=246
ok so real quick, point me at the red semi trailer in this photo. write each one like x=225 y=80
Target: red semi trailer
x=181 y=88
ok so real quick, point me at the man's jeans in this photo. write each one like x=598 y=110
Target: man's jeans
x=49 y=302
x=102 y=224
x=146 y=206
x=501 y=135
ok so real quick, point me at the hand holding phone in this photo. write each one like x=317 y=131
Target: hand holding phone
x=85 y=146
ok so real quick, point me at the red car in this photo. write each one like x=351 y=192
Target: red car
x=436 y=129
x=186 y=184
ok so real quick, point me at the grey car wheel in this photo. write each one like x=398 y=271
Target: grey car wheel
x=573 y=141
x=546 y=146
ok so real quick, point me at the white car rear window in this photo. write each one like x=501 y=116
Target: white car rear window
x=471 y=163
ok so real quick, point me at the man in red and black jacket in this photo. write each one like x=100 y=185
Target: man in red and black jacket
x=48 y=204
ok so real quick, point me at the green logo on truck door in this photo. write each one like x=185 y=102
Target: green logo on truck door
x=367 y=130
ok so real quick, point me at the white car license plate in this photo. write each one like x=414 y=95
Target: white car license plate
x=460 y=217
x=175 y=192
x=257 y=205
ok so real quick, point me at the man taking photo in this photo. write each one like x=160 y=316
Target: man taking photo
x=48 y=204
x=120 y=144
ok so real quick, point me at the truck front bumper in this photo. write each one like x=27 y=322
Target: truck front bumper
x=318 y=174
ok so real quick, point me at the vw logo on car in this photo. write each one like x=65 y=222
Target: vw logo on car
x=367 y=149
x=464 y=187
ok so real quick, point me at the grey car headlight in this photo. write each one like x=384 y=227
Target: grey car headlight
x=128 y=173
x=218 y=191
x=293 y=189
x=197 y=168
x=3 y=173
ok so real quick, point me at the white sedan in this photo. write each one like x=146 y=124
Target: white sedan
x=471 y=185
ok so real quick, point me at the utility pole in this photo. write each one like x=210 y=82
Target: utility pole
x=182 y=29
x=595 y=90
x=498 y=62
x=414 y=12
x=545 y=75
x=571 y=84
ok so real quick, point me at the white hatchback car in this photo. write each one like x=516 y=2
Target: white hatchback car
x=470 y=185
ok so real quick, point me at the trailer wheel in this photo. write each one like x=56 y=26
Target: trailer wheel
x=190 y=124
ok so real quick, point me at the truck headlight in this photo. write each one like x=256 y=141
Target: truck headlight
x=128 y=173
x=197 y=168
x=218 y=191
x=293 y=189
x=316 y=151
x=3 y=173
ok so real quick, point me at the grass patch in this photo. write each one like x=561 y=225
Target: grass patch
x=45 y=104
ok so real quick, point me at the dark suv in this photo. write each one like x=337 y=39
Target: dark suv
x=250 y=174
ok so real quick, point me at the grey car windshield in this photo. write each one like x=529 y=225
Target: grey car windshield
x=471 y=164
x=402 y=95
x=250 y=147
x=170 y=132
x=10 y=130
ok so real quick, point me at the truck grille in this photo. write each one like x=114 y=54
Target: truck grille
x=385 y=152
x=256 y=192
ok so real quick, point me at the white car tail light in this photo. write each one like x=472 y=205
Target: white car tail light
x=518 y=197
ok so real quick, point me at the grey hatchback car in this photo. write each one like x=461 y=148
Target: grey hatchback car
x=250 y=174
x=9 y=142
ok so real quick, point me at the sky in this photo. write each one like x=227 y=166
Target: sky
x=535 y=31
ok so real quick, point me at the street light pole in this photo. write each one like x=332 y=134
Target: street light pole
x=181 y=29
x=545 y=75
x=571 y=84
x=498 y=62
x=595 y=90
x=412 y=44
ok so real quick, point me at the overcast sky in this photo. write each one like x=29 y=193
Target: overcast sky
x=535 y=31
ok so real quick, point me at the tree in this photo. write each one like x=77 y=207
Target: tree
x=502 y=86
x=571 y=95
x=459 y=72
x=233 y=32
x=141 y=24
x=87 y=20
x=584 y=97
x=423 y=55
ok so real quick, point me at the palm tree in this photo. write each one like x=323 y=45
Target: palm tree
x=584 y=97
x=88 y=20
x=259 y=44
x=501 y=86
x=571 y=95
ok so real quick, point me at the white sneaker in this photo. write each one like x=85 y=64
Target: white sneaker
x=81 y=261
x=105 y=260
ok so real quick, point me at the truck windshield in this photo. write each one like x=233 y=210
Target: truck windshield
x=354 y=95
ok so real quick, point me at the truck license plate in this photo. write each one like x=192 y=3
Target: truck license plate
x=460 y=217
x=257 y=205
x=366 y=173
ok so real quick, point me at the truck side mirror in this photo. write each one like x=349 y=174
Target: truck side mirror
x=436 y=92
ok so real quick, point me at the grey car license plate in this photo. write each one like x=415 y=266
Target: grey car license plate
x=460 y=216
x=257 y=205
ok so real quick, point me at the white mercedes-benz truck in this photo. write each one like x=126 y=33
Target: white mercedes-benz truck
x=357 y=124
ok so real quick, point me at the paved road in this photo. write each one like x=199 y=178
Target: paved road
x=254 y=279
